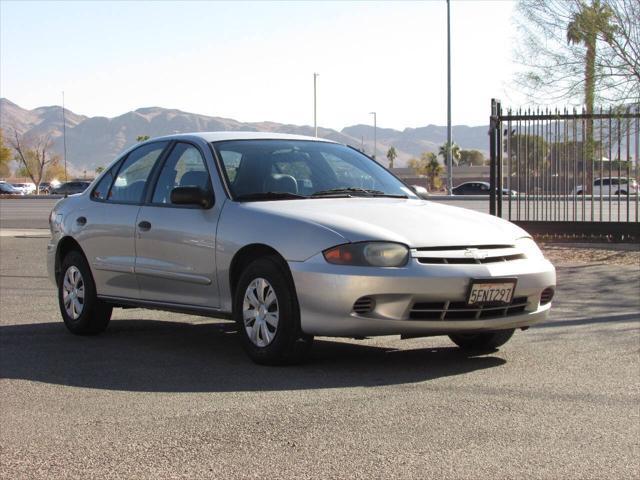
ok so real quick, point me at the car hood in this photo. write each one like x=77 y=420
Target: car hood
x=416 y=223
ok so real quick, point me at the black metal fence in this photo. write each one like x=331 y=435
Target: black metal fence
x=566 y=171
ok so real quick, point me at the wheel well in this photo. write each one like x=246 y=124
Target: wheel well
x=245 y=256
x=66 y=245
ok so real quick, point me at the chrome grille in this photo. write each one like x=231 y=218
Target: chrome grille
x=467 y=255
x=462 y=261
x=364 y=305
x=462 y=311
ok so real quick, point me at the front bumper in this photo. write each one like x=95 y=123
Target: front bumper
x=327 y=293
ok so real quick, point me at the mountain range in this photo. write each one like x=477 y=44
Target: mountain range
x=95 y=141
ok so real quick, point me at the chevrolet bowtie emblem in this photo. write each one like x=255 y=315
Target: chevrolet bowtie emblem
x=475 y=253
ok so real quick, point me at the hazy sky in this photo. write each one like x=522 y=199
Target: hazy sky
x=255 y=61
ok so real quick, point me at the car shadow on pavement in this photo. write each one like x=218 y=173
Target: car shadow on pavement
x=158 y=356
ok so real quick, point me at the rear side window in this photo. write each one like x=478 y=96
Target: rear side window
x=101 y=191
x=132 y=178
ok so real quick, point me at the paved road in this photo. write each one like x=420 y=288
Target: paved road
x=25 y=213
x=33 y=213
x=162 y=395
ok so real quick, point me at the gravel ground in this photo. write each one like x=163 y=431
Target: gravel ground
x=593 y=253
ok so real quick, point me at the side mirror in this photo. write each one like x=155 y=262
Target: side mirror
x=420 y=191
x=192 y=196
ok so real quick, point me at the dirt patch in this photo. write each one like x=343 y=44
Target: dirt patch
x=609 y=254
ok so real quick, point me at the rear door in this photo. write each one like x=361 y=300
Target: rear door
x=175 y=244
x=106 y=227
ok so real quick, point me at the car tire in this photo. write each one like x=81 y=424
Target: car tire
x=82 y=311
x=482 y=341
x=270 y=329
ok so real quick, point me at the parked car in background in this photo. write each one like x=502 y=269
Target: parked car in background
x=9 y=189
x=610 y=186
x=70 y=188
x=45 y=188
x=26 y=188
x=277 y=232
x=478 y=188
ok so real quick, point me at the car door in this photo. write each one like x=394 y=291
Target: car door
x=105 y=228
x=175 y=244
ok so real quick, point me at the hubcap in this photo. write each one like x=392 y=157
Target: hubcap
x=73 y=292
x=260 y=312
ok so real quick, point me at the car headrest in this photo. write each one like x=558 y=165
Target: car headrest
x=195 y=178
x=280 y=182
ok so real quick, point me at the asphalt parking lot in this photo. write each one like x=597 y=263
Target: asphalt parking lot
x=162 y=395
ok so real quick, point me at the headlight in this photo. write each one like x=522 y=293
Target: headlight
x=368 y=254
x=527 y=246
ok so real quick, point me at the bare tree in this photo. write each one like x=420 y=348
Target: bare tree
x=580 y=51
x=33 y=155
x=621 y=58
x=5 y=157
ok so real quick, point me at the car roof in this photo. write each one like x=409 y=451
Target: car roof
x=473 y=181
x=241 y=135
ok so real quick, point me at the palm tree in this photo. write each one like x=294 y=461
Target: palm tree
x=584 y=28
x=455 y=152
x=391 y=156
x=434 y=170
x=428 y=165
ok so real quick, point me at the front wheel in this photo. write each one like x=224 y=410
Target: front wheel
x=482 y=341
x=268 y=316
x=83 y=313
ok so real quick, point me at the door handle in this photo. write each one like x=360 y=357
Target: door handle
x=144 y=226
x=81 y=220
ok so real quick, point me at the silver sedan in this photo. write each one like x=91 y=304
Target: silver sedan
x=291 y=237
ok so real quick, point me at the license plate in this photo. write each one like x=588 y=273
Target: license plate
x=498 y=292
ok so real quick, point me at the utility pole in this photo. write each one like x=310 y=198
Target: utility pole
x=375 y=140
x=449 y=159
x=315 y=104
x=64 y=138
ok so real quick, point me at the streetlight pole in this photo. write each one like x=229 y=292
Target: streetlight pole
x=449 y=159
x=64 y=138
x=315 y=105
x=375 y=140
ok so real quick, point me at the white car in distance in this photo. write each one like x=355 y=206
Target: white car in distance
x=608 y=186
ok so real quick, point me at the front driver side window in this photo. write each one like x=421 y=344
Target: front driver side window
x=184 y=167
x=128 y=186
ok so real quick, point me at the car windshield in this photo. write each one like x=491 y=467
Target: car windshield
x=292 y=169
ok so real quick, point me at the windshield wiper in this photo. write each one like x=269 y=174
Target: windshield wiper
x=257 y=196
x=356 y=191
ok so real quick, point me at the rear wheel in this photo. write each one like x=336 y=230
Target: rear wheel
x=268 y=316
x=482 y=341
x=83 y=313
